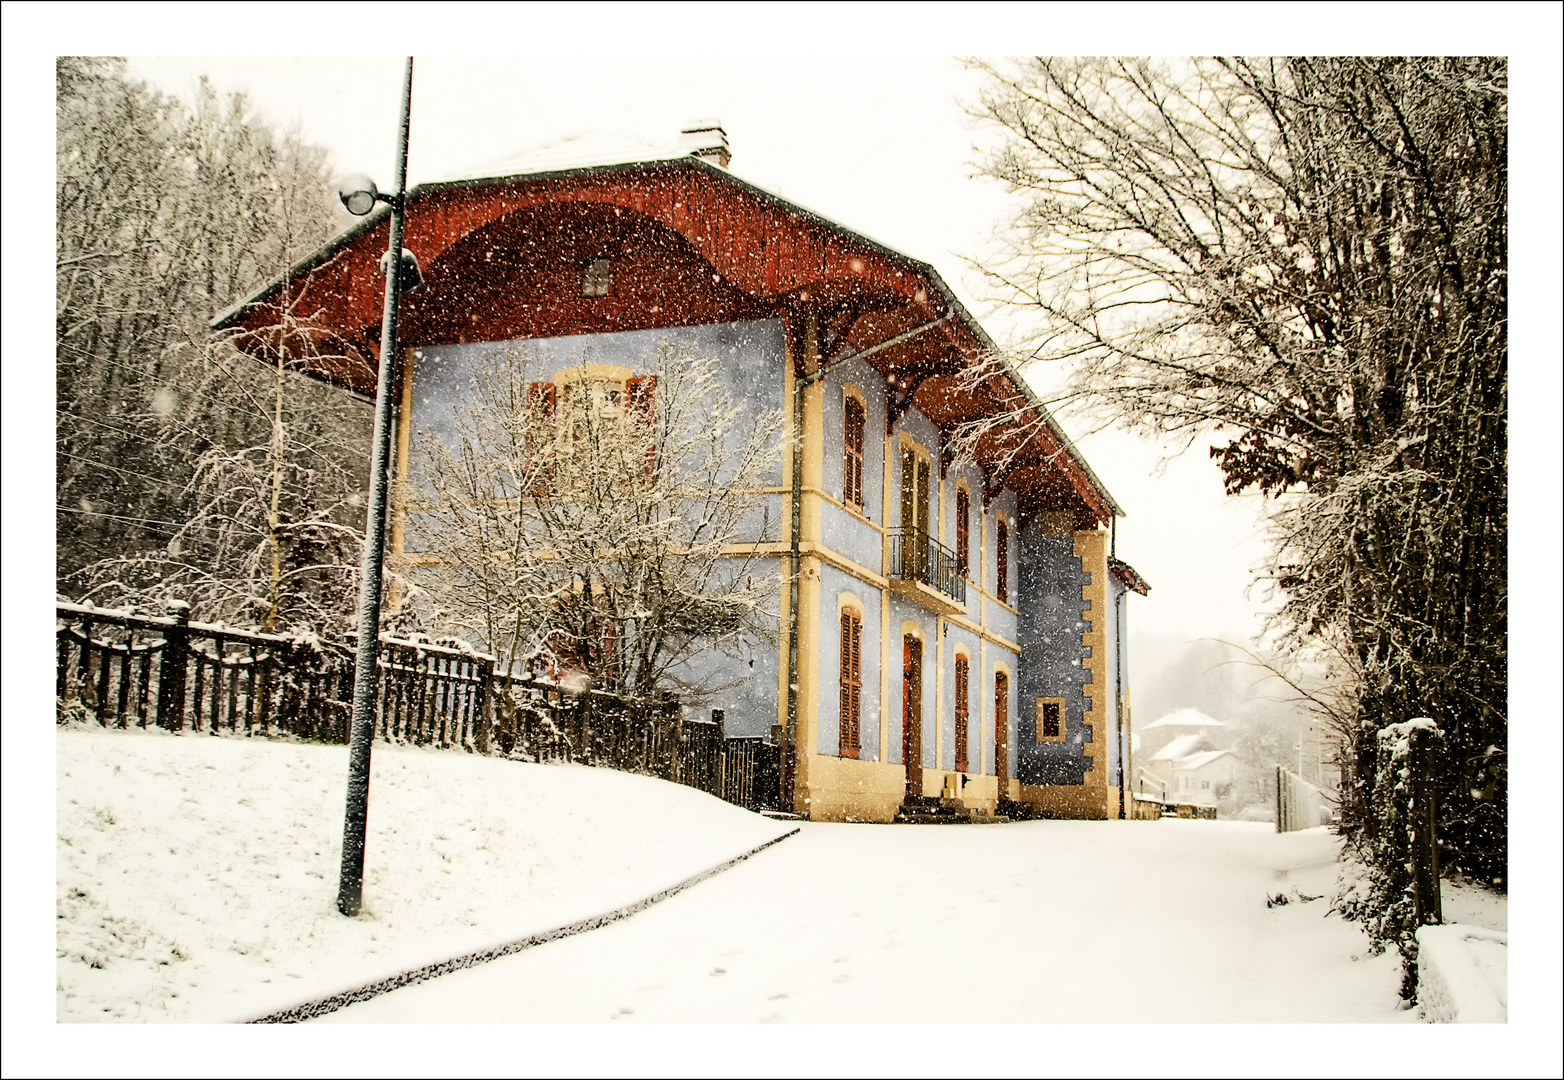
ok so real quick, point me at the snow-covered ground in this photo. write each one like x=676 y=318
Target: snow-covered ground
x=1047 y=921
x=196 y=880
x=197 y=876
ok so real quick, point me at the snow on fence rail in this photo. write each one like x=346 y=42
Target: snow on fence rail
x=123 y=669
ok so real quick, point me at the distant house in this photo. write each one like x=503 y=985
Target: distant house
x=953 y=626
x=1193 y=771
x=1152 y=737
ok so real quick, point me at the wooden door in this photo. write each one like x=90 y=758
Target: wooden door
x=1002 y=731
x=912 y=712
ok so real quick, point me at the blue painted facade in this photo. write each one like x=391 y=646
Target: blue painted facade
x=700 y=258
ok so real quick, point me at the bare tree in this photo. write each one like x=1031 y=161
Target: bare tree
x=1310 y=257
x=186 y=469
x=603 y=530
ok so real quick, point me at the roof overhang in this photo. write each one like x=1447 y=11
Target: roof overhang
x=764 y=254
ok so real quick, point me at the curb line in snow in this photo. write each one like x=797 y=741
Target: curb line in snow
x=320 y=1007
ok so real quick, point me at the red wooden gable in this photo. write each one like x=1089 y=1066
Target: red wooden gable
x=688 y=244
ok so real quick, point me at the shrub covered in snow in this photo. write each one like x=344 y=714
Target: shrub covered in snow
x=1377 y=886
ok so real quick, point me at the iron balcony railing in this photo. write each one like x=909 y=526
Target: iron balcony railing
x=917 y=556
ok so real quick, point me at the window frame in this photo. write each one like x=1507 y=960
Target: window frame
x=1038 y=733
x=597 y=276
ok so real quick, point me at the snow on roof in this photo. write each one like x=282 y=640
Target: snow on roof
x=1185 y=718
x=1200 y=760
x=583 y=151
x=1182 y=747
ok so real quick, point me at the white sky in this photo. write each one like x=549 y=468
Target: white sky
x=879 y=143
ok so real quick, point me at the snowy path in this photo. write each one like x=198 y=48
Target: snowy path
x=1034 y=922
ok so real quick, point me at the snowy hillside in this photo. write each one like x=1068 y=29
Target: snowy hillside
x=197 y=877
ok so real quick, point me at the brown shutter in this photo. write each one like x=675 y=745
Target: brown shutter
x=852 y=637
x=1002 y=546
x=852 y=457
x=963 y=532
x=961 y=714
x=540 y=437
x=1001 y=728
x=641 y=402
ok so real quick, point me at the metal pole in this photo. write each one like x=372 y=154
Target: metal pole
x=350 y=890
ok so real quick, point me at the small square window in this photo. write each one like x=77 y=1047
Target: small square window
x=1050 y=720
x=596 y=277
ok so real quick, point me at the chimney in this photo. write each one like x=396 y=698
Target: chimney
x=706 y=140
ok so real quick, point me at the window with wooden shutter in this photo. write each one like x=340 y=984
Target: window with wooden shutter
x=963 y=532
x=1002 y=729
x=541 y=439
x=1002 y=554
x=852 y=458
x=852 y=658
x=641 y=404
x=962 y=698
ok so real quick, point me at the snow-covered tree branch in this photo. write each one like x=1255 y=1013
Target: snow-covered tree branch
x=1307 y=259
x=601 y=531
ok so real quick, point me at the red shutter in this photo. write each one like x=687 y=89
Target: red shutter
x=852 y=463
x=540 y=438
x=641 y=402
x=852 y=658
x=962 y=757
x=1003 y=553
x=963 y=532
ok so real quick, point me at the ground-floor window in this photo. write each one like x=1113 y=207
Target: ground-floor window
x=852 y=658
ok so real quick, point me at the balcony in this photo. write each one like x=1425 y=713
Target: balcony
x=925 y=570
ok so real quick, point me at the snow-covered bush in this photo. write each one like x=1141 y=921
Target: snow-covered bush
x=1377 y=885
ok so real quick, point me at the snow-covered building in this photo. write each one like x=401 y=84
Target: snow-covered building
x=977 y=602
x=1192 y=770
x=1152 y=737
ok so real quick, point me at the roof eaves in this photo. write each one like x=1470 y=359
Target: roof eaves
x=319 y=257
x=230 y=316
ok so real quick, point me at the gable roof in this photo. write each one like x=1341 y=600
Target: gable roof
x=1182 y=747
x=1200 y=760
x=1184 y=718
x=761 y=248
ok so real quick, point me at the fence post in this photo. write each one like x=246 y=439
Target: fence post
x=485 y=672
x=171 y=670
x=1424 y=762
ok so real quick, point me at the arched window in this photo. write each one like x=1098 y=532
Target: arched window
x=852 y=457
x=963 y=532
x=1002 y=552
x=962 y=698
x=851 y=679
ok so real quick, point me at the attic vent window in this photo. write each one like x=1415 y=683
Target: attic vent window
x=596 y=277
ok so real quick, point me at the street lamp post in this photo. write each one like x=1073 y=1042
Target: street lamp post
x=359 y=195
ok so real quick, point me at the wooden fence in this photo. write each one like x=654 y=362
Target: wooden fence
x=121 y=669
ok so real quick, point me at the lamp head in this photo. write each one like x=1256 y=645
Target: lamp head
x=358 y=193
